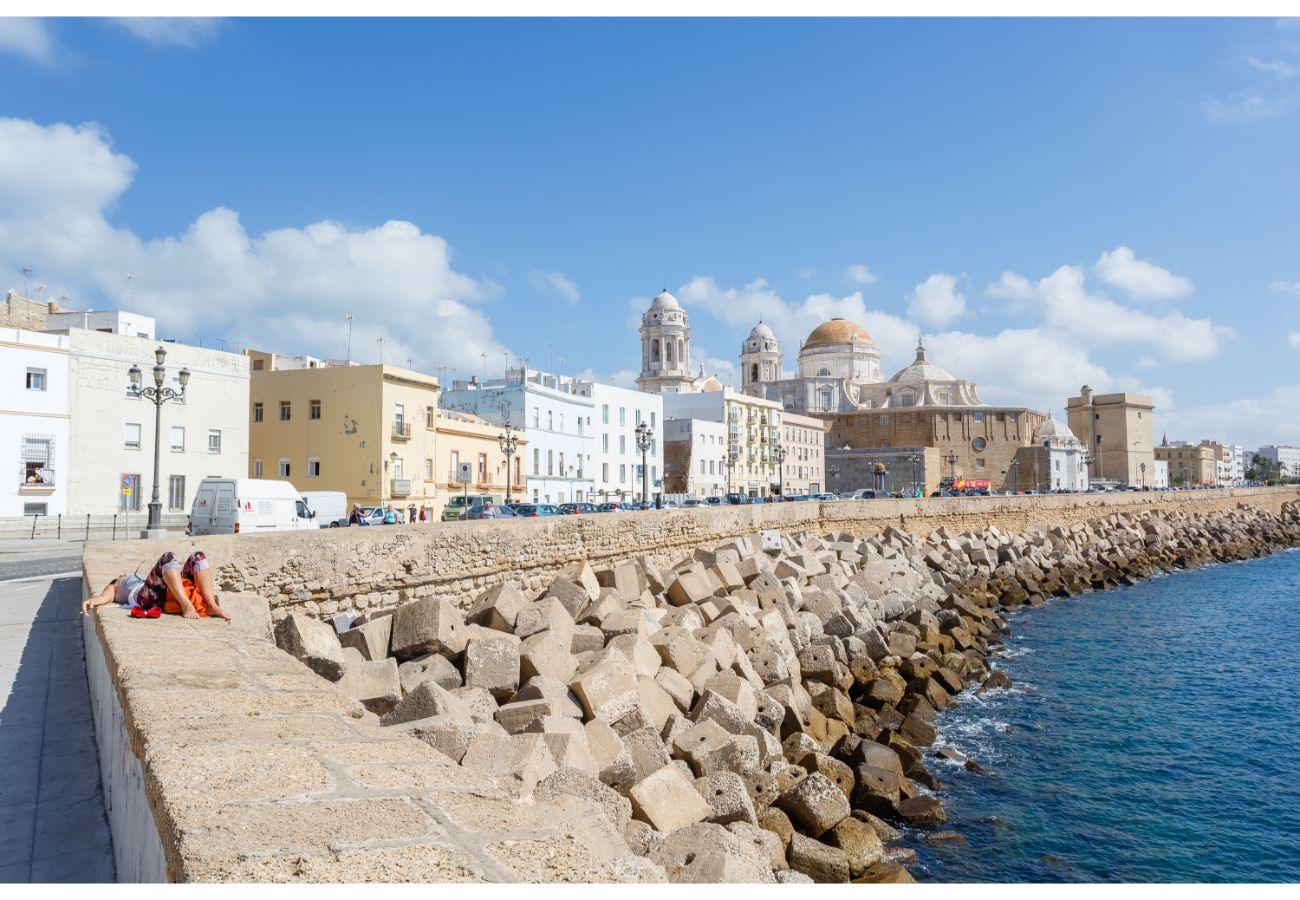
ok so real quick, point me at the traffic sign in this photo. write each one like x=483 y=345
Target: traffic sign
x=465 y=473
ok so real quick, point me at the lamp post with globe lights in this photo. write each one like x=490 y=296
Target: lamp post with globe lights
x=159 y=395
x=508 y=441
x=644 y=438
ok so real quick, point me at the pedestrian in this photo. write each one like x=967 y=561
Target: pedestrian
x=356 y=518
x=489 y=511
x=410 y=514
x=170 y=587
x=390 y=515
x=424 y=514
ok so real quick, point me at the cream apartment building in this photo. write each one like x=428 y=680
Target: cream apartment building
x=368 y=431
x=803 y=471
x=753 y=432
x=465 y=438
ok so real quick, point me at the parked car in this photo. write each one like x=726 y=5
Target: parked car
x=577 y=509
x=824 y=496
x=533 y=510
x=610 y=507
x=737 y=499
x=692 y=503
x=864 y=494
x=247 y=505
x=713 y=501
x=460 y=502
x=476 y=512
x=328 y=508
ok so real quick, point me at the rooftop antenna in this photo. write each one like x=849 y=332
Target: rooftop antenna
x=381 y=351
x=27 y=293
x=409 y=363
x=506 y=354
x=483 y=356
x=550 y=364
x=348 y=316
x=442 y=374
x=130 y=288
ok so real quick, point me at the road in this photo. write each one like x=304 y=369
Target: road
x=53 y=827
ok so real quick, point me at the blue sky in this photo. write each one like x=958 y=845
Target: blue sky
x=1052 y=202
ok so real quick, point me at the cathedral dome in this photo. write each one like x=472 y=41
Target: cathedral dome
x=921 y=371
x=665 y=300
x=709 y=385
x=1051 y=428
x=837 y=331
x=761 y=332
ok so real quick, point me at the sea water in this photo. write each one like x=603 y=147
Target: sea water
x=1152 y=734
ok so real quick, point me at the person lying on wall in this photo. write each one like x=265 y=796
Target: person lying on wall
x=170 y=587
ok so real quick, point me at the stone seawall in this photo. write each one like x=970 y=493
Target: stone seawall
x=358 y=569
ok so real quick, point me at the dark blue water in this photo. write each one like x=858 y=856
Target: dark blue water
x=1153 y=734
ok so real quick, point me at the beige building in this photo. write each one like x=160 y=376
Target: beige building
x=753 y=433
x=465 y=438
x=803 y=470
x=1116 y=429
x=25 y=313
x=1188 y=464
x=368 y=431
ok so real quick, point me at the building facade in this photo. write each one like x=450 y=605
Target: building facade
x=368 y=431
x=753 y=432
x=113 y=435
x=1054 y=462
x=464 y=438
x=1117 y=431
x=1286 y=456
x=665 y=348
x=695 y=458
x=615 y=459
x=803 y=469
x=555 y=420
x=906 y=471
x=34 y=423
x=1189 y=464
x=25 y=313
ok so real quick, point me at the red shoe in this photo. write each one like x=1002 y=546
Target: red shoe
x=154 y=612
x=138 y=612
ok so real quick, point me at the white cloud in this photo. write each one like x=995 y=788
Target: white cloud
x=936 y=301
x=808 y=273
x=1065 y=304
x=1285 y=287
x=1141 y=279
x=1251 y=422
x=556 y=281
x=1247 y=107
x=1146 y=362
x=1293 y=339
x=859 y=274
x=285 y=290
x=27 y=37
x=1278 y=67
x=170 y=31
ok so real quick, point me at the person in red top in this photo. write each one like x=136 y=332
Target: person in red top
x=171 y=587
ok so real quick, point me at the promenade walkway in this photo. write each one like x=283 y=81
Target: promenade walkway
x=52 y=821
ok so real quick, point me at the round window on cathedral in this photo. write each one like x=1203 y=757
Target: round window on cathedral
x=978 y=443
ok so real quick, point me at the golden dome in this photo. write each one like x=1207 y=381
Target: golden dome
x=837 y=331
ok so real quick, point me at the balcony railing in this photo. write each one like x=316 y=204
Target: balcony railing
x=44 y=484
x=402 y=431
x=400 y=487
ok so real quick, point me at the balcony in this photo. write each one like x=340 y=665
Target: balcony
x=401 y=431
x=400 y=487
x=42 y=483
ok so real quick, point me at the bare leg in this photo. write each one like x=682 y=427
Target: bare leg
x=203 y=581
x=172 y=578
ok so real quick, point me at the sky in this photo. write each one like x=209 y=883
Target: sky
x=1051 y=202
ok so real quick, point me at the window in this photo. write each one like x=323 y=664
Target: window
x=702 y=468
x=178 y=437
x=35 y=379
x=823 y=372
x=214 y=440
x=257 y=468
x=562 y=469
x=604 y=471
x=313 y=409
x=313 y=467
x=259 y=365
x=638 y=417
x=652 y=419
x=176 y=492
x=482 y=468
x=884 y=420
x=604 y=413
x=397 y=468
x=430 y=417
x=34 y=509
x=550 y=420
x=550 y=462
x=399 y=415
x=284 y=467
x=537 y=461
x=257 y=412
x=906 y=398
x=428 y=470
x=979 y=463
x=561 y=421
x=131 y=436
x=38 y=459
x=622 y=415
x=604 y=443
x=129 y=501
x=979 y=417
x=622 y=444
x=284 y=411
x=537 y=417
x=979 y=443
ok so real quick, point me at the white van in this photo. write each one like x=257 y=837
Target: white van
x=328 y=508
x=247 y=506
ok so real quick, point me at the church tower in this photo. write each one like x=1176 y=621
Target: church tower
x=665 y=348
x=760 y=360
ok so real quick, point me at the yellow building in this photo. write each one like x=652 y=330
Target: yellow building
x=753 y=431
x=465 y=438
x=368 y=431
x=1188 y=464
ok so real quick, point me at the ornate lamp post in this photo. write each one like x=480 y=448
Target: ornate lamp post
x=778 y=453
x=159 y=395
x=1143 y=467
x=914 y=459
x=1015 y=476
x=508 y=441
x=730 y=462
x=951 y=460
x=644 y=437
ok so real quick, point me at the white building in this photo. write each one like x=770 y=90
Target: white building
x=1161 y=479
x=113 y=431
x=1288 y=457
x=108 y=321
x=556 y=421
x=615 y=459
x=695 y=457
x=34 y=423
x=1062 y=455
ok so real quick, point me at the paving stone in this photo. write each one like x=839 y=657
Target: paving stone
x=522 y=756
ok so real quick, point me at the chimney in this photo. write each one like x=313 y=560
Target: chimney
x=1085 y=393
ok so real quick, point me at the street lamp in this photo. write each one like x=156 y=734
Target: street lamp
x=508 y=441
x=914 y=459
x=951 y=460
x=159 y=395
x=644 y=436
x=730 y=462
x=1015 y=476
x=778 y=453
x=1143 y=467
